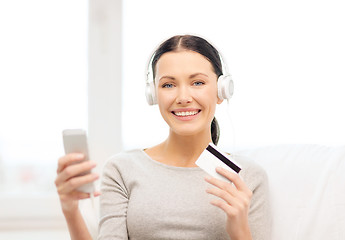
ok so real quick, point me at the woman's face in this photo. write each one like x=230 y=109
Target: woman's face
x=186 y=86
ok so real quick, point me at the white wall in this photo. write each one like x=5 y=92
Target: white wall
x=286 y=59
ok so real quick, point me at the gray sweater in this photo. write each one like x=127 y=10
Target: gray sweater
x=145 y=199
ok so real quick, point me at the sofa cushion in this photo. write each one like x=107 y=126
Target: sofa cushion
x=307 y=190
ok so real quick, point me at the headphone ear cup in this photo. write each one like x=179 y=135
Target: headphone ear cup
x=225 y=87
x=150 y=93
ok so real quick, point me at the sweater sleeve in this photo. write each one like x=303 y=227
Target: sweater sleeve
x=113 y=204
x=259 y=212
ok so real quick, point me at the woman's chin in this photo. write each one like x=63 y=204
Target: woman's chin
x=189 y=131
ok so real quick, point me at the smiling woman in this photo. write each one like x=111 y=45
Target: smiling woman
x=159 y=192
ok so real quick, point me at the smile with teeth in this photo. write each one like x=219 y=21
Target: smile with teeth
x=185 y=114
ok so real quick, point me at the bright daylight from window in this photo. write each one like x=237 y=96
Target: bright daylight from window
x=43 y=88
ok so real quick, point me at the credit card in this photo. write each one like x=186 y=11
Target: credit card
x=213 y=157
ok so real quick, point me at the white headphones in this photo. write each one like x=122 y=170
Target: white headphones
x=225 y=84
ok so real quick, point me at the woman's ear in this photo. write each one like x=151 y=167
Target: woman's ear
x=219 y=101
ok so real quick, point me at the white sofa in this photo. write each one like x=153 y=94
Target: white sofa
x=307 y=191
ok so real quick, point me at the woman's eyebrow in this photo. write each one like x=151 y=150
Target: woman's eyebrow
x=169 y=77
x=191 y=76
x=196 y=74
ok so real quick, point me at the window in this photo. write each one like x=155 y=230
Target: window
x=43 y=90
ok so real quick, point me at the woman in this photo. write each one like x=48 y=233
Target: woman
x=159 y=192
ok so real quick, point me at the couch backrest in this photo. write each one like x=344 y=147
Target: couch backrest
x=307 y=190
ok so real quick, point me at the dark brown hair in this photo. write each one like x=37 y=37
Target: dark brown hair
x=199 y=45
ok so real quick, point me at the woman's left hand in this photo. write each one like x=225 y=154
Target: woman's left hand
x=234 y=201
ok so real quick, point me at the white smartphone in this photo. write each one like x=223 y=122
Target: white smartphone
x=75 y=141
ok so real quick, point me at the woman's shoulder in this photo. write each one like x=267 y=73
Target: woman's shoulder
x=247 y=163
x=252 y=172
x=124 y=162
x=124 y=157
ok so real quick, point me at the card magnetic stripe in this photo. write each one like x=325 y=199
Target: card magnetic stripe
x=225 y=160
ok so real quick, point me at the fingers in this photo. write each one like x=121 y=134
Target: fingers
x=220 y=184
x=71 y=174
x=226 y=196
x=76 y=195
x=69 y=159
x=235 y=196
x=237 y=181
x=227 y=208
x=74 y=170
x=73 y=183
x=233 y=177
x=96 y=193
x=82 y=195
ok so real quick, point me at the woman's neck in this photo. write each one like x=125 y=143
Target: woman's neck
x=180 y=151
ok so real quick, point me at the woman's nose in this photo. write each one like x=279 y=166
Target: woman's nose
x=183 y=95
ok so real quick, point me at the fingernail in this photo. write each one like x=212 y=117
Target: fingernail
x=218 y=169
x=97 y=193
x=207 y=178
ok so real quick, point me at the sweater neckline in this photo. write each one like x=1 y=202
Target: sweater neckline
x=146 y=156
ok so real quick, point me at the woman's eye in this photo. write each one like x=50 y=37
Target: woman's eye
x=198 y=83
x=167 y=85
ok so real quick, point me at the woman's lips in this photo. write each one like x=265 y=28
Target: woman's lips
x=186 y=114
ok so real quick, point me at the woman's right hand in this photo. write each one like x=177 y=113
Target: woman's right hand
x=68 y=180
